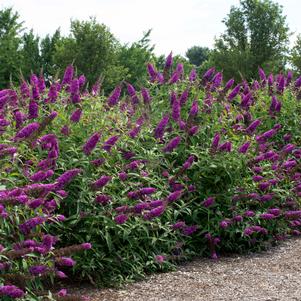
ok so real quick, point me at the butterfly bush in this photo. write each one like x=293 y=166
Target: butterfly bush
x=186 y=165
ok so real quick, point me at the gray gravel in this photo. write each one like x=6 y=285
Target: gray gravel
x=272 y=275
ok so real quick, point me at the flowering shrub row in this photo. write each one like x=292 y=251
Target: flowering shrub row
x=185 y=166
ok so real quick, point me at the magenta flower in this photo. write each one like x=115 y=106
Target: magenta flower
x=208 y=202
x=147 y=190
x=159 y=130
x=215 y=141
x=114 y=97
x=123 y=176
x=264 y=186
x=194 y=109
x=38 y=270
x=11 y=291
x=224 y=224
x=102 y=199
x=168 y=62
x=81 y=80
x=192 y=75
x=193 y=130
x=146 y=96
x=209 y=74
x=68 y=75
x=33 y=110
x=102 y=181
x=244 y=148
x=157 y=211
x=76 y=115
x=151 y=71
x=121 y=219
x=178 y=225
x=65 y=261
x=262 y=76
x=228 y=85
x=174 y=77
x=65 y=130
x=91 y=143
x=189 y=230
x=274 y=211
x=30 y=224
x=173 y=143
x=159 y=258
x=98 y=162
x=67 y=177
x=267 y=216
x=234 y=93
x=174 y=196
x=176 y=110
x=110 y=143
x=74 y=86
x=237 y=218
x=252 y=127
x=27 y=131
x=187 y=164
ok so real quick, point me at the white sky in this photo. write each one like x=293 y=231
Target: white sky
x=177 y=24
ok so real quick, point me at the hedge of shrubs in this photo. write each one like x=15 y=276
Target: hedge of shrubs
x=137 y=181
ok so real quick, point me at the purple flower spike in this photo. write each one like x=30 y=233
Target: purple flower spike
x=194 y=109
x=234 y=93
x=192 y=75
x=114 y=97
x=101 y=182
x=76 y=115
x=27 y=131
x=176 y=110
x=146 y=96
x=228 y=85
x=172 y=144
x=68 y=75
x=159 y=131
x=11 y=291
x=168 y=62
x=208 y=202
x=91 y=143
x=67 y=177
x=110 y=143
x=174 y=196
x=65 y=261
x=215 y=141
x=252 y=127
x=121 y=219
x=244 y=148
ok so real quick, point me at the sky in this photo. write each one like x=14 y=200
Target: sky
x=176 y=24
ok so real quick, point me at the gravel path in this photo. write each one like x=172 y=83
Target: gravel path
x=272 y=275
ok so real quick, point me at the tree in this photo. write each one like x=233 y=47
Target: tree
x=48 y=49
x=256 y=36
x=295 y=57
x=31 y=59
x=135 y=57
x=92 y=48
x=197 y=55
x=10 y=42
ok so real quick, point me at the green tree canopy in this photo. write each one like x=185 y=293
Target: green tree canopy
x=30 y=51
x=134 y=58
x=295 y=57
x=256 y=35
x=197 y=55
x=10 y=43
x=48 y=49
x=92 y=48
